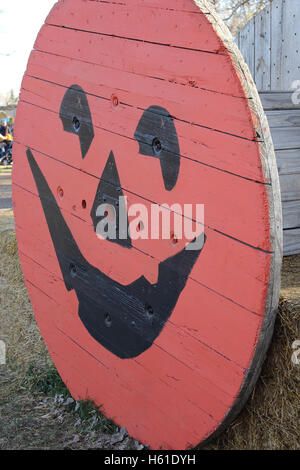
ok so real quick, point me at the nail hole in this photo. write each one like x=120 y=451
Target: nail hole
x=140 y=227
x=76 y=124
x=149 y=310
x=157 y=147
x=115 y=100
x=84 y=204
x=108 y=321
x=174 y=239
x=60 y=192
x=73 y=270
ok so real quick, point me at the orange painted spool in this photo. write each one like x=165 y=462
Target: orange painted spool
x=150 y=100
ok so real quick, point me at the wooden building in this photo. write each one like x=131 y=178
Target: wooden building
x=270 y=43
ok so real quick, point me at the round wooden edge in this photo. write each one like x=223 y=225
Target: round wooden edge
x=269 y=166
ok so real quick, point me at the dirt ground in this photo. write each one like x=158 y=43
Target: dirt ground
x=37 y=412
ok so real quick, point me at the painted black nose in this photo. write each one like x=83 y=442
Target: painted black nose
x=109 y=192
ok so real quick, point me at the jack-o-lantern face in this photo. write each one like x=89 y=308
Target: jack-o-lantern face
x=126 y=319
x=142 y=100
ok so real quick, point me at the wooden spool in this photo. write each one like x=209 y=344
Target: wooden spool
x=150 y=99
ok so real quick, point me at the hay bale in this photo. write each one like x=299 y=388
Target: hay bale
x=270 y=419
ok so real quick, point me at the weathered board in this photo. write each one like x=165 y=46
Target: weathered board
x=127 y=98
x=284 y=120
x=270 y=43
x=278 y=100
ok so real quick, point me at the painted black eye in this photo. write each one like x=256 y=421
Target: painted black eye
x=157 y=137
x=76 y=117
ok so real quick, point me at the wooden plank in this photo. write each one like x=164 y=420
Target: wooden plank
x=40 y=275
x=37 y=137
x=221 y=112
x=291 y=214
x=285 y=53
x=211 y=276
x=237 y=40
x=278 y=100
x=290 y=187
x=291 y=49
x=100 y=377
x=288 y=161
x=197 y=143
x=273 y=54
x=275 y=57
x=286 y=137
x=176 y=5
x=247 y=45
x=291 y=240
x=284 y=118
x=262 y=48
x=164 y=26
x=277 y=69
x=207 y=335
x=193 y=68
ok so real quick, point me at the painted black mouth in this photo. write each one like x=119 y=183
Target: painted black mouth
x=126 y=320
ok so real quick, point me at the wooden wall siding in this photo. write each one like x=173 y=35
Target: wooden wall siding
x=291 y=241
x=246 y=43
x=284 y=120
x=276 y=101
x=291 y=214
x=270 y=43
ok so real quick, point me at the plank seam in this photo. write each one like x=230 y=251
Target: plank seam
x=252 y=180
x=153 y=202
x=136 y=39
x=155 y=345
x=147 y=254
x=142 y=109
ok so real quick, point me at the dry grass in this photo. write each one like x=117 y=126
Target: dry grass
x=18 y=329
x=37 y=411
x=6 y=220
